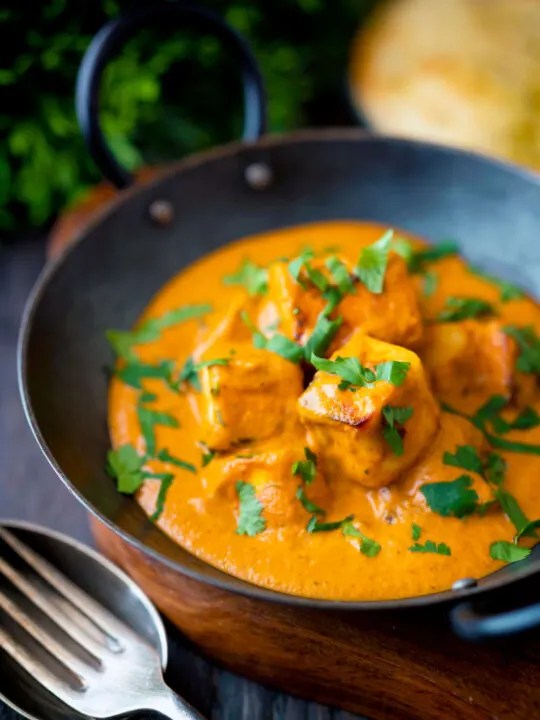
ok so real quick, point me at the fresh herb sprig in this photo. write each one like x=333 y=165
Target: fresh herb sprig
x=431 y=547
x=393 y=420
x=251 y=277
x=250 y=518
x=458 y=308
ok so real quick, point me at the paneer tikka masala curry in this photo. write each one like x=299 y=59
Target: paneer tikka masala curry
x=336 y=410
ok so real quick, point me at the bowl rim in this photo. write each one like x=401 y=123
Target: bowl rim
x=223 y=579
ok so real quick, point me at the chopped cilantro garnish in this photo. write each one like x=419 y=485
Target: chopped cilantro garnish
x=464 y=308
x=296 y=265
x=507 y=290
x=207 y=457
x=316 y=278
x=315 y=526
x=125 y=466
x=431 y=280
x=251 y=277
x=165 y=456
x=339 y=272
x=122 y=342
x=528 y=530
x=148 y=420
x=307 y=469
x=308 y=504
x=392 y=371
x=508 y=552
x=455 y=498
x=133 y=372
x=466 y=457
x=166 y=482
x=250 y=519
x=349 y=369
x=190 y=371
x=288 y=349
x=403 y=247
x=431 y=547
x=394 y=418
x=416 y=531
x=367 y=546
x=529 y=345
x=323 y=333
x=420 y=258
x=527 y=419
x=372 y=263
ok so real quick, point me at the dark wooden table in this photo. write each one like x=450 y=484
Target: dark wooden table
x=30 y=490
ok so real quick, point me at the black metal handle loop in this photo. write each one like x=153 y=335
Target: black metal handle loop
x=473 y=625
x=111 y=38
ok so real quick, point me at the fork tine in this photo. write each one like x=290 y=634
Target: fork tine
x=35 y=668
x=39 y=598
x=69 y=660
x=83 y=602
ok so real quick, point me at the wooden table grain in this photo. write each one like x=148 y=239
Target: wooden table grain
x=30 y=490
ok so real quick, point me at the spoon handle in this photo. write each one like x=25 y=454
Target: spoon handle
x=173 y=707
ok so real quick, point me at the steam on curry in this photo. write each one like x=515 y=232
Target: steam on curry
x=334 y=410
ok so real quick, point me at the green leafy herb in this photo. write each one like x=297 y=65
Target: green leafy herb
x=125 y=466
x=528 y=530
x=207 y=457
x=250 y=519
x=367 y=546
x=372 y=263
x=529 y=345
x=281 y=345
x=250 y=276
x=190 y=372
x=323 y=333
x=418 y=259
x=394 y=417
x=403 y=247
x=508 y=552
x=122 y=342
x=463 y=308
x=315 y=526
x=132 y=373
x=416 y=531
x=333 y=297
x=307 y=469
x=455 y=498
x=392 y=371
x=339 y=272
x=165 y=456
x=431 y=547
x=349 y=369
x=466 y=457
x=316 y=278
x=296 y=265
x=431 y=280
x=166 y=482
x=148 y=420
x=527 y=419
x=308 y=504
x=507 y=290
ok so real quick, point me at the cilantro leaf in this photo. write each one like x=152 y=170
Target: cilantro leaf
x=316 y=278
x=251 y=277
x=528 y=530
x=190 y=372
x=250 y=519
x=527 y=419
x=508 y=552
x=323 y=333
x=308 y=504
x=307 y=469
x=339 y=272
x=394 y=416
x=403 y=247
x=455 y=498
x=419 y=258
x=529 y=345
x=348 y=368
x=431 y=547
x=125 y=466
x=416 y=531
x=132 y=373
x=296 y=265
x=165 y=456
x=166 y=482
x=466 y=458
x=207 y=457
x=367 y=546
x=392 y=371
x=464 y=308
x=315 y=526
x=333 y=297
x=431 y=280
x=148 y=419
x=371 y=267
x=507 y=290
x=286 y=348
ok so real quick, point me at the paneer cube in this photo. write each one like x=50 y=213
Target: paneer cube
x=469 y=357
x=392 y=315
x=349 y=428
x=249 y=398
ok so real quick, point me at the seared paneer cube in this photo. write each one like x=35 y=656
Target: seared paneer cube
x=392 y=315
x=248 y=397
x=469 y=357
x=369 y=413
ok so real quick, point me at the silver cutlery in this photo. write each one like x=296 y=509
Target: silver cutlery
x=72 y=645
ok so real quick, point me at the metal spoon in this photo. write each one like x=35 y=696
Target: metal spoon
x=76 y=626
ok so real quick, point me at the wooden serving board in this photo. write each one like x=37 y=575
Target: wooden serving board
x=406 y=666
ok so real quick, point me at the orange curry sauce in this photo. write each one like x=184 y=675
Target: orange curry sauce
x=259 y=411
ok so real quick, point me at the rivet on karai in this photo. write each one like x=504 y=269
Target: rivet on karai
x=161 y=212
x=258 y=176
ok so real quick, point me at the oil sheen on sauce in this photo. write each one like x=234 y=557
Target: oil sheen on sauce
x=201 y=509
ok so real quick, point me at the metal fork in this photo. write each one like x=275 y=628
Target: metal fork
x=76 y=648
